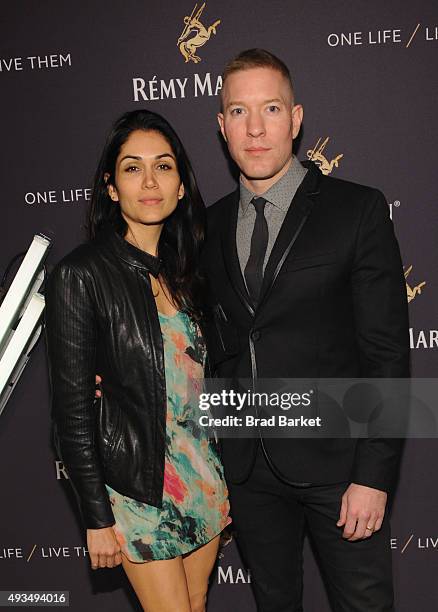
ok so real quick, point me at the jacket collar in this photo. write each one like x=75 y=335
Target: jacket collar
x=312 y=179
x=128 y=252
x=299 y=210
x=229 y=249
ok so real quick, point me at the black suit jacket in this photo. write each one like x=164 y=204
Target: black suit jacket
x=333 y=304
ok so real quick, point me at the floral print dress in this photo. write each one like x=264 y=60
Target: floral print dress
x=195 y=498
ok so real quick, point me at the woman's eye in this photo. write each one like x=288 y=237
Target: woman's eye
x=164 y=166
x=131 y=168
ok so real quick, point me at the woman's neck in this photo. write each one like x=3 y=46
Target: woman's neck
x=144 y=237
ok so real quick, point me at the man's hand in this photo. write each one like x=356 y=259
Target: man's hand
x=103 y=548
x=98 y=392
x=362 y=511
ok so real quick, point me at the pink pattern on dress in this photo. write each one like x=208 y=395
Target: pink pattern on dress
x=173 y=485
x=178 y=340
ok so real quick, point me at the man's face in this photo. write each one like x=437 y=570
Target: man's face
x=259 y=123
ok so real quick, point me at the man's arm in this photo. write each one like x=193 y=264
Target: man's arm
x=382 y=330
x=382 y=335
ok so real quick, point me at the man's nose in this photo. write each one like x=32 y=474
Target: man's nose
x=255 y=125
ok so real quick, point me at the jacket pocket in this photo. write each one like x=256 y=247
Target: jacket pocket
x=301 y=262
x=220 y=335
x=108 y=427
x=226 y=333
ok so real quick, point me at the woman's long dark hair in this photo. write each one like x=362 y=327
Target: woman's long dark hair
x=183 y=232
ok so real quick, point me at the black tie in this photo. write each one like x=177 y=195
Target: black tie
x=259 y=242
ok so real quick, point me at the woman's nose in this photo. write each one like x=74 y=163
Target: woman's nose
x=150 y=180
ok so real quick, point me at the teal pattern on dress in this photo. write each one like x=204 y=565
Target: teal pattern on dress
x=195 y=498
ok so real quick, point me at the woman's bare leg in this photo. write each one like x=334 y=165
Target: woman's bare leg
x=160 y=586
x=198 y=566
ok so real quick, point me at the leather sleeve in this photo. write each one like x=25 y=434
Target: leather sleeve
x=71 y=334
x=382 y=331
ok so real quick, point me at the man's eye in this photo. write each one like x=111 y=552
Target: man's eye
x=272 y=108
x=237 y=111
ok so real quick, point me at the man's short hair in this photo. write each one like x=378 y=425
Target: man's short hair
x=256 y=58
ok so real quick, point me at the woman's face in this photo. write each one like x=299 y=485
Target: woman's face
x=147 y=182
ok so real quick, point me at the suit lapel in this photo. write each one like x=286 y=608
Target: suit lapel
x=229 y=250
x=293 y=223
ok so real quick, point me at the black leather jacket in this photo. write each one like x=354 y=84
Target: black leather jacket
x=101 y=318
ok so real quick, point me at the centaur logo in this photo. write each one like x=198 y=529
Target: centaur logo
x=412 y=292
x=316 y=155
x=195 y=34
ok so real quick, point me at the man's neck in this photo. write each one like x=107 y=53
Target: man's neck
x=260 y=186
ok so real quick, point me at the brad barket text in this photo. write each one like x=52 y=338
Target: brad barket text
x=276 y=420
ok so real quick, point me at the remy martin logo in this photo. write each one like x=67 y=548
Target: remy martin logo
x=316 y=155
x=413 y=291
x=195 y=34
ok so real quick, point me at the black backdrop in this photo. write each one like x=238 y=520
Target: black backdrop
x=366 y=75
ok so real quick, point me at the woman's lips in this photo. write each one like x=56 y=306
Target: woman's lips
x=150 y=201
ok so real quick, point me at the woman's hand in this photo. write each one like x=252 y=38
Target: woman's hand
x=103 y=548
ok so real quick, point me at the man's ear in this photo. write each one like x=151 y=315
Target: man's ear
x=112 y=191
x=220 y=120
x=297 y=119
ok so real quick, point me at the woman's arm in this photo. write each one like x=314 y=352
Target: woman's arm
x=71 y=332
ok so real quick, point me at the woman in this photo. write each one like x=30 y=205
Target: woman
x=129 y=305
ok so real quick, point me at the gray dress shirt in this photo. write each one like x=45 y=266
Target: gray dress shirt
x=279 y=198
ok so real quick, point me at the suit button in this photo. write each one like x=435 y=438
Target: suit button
x=255 y=334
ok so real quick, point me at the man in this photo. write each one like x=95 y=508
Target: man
x=306 y=272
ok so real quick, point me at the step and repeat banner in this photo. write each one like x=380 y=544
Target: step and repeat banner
x=366 y=74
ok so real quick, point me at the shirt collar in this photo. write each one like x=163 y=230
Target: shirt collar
x=280 y=193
